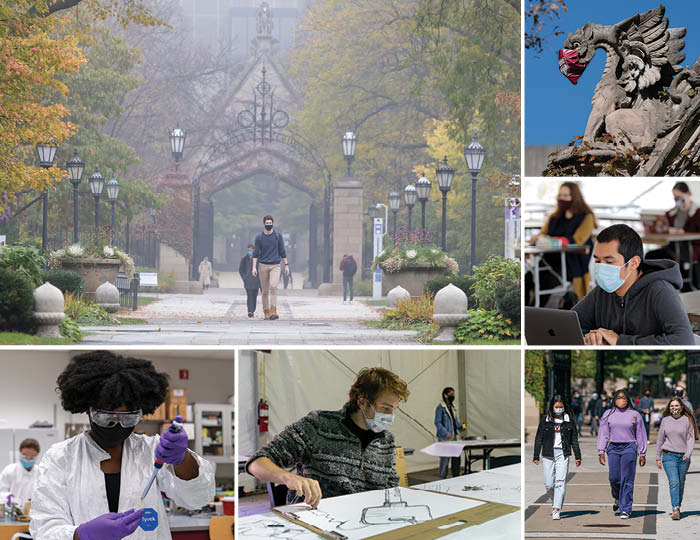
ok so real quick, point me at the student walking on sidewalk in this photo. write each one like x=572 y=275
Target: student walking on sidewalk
x=269 y=251
x=557 y=437
x=251 y=282
x=622 y=436
x=674 y=444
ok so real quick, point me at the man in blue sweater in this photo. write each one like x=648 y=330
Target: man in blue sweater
x=267 y=255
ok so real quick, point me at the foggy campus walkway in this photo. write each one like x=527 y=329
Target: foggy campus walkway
x=587 y=511
x=220 y=317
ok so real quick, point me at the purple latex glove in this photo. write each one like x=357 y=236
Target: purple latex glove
x=111 y=526
x=172 y=446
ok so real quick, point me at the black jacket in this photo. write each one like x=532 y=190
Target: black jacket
x=245 y=269
x=544 y=440
x=651 y=313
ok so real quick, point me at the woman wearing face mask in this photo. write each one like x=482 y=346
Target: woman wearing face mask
x=557 y=437
x=17 y=479
x=338 y=452
x=674 y=445
x=683 y=217
x=251 y=282
x=448 y=426
x=573 y=222
x=622 y=436
x=89 y=487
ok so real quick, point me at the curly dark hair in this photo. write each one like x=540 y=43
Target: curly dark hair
x=371 y=382
x=104 y=380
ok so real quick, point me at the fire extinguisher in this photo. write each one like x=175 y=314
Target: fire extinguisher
x=263 y=416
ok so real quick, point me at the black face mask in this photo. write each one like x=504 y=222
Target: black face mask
x=679 y=393
x=268 y=227
x=450 y=399
x=109 y=437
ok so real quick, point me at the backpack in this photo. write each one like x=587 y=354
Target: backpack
x=350 y=267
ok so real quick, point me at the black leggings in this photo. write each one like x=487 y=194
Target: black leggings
x=252 y=299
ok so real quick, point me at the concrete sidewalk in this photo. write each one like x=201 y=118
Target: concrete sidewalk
x=587 y=511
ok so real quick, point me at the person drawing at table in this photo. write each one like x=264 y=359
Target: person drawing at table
x=674 y=445
x=573 y=222
x=556 y=439
x=338 y=452
x=684 y=217
x=636 y=302
x=622 y=436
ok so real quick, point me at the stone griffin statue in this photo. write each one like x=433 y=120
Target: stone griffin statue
x=645 y=119
x=263 y=20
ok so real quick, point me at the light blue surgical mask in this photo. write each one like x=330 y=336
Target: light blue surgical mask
x=27 y=463
x=607 y=276
x=250 y=253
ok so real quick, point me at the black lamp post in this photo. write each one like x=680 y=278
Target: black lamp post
x=113 y=195
x=423 y=188
x=75 y=167
x=349 y=145
x=394 y=202
x=177 y=144
x=474 y=156
x=444 y=174
x=47 y=154
x=97 y=184
x=410 y=195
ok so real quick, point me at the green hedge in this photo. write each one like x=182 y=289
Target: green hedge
x=24 y=260
x=16 y=302
x=65 y=280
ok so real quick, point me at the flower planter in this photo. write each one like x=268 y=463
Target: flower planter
x=412 y=278
x=94 y=272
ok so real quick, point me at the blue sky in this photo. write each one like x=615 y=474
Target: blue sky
x=555 y=109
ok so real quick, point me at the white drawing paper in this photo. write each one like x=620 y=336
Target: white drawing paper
x=488 y=485
x=361 y=515
x=275 y=527
x=503 y=528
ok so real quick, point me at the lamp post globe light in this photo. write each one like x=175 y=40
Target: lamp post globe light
x=47 y=154
x=349 y=145
x=445 y=174
x=410 y=195
x=75 y=167
x=423 y=188
x=113 y=195
x=394 y=203
x=177 y=144
x=474 y=156
x=97 y=184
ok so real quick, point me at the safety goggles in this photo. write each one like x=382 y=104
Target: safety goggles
x=109 y=419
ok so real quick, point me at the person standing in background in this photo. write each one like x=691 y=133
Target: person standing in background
x=205 y=273
x=577 y=410
x=680 y=391
x=590 y=409
x=251 y=282
x=448 y=426
x=646 y=407
x=17 y=479
x=348 y=267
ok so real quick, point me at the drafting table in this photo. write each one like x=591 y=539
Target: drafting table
x=455 y=449
x=676 y=239
x=536 y=256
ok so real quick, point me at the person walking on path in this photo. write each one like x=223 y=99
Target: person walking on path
x=205 y=273
x=348 y=267
x=557 y=437
x=622 y=437
x=680 y=390
x=251 y=283
x=577 y=410
x=677 y=434
x=267 y=254
x=646 y=407
x=447 y=425
x=600 y=408
x=590 y=410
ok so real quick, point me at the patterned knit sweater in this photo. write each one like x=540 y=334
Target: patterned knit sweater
x=324 y=449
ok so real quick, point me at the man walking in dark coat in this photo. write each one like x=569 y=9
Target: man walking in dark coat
x=250 y=282
x=348 y=267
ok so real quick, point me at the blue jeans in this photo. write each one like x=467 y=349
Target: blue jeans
x=622 y=465
x=675 y=469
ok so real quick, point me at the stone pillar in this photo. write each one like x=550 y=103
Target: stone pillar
x=347 y=230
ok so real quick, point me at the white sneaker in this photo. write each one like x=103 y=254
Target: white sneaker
x=556 y=514
x=344 y=302
x=351 y=302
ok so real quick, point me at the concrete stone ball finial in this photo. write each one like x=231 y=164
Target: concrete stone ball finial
x=107 y=297
x=48 y=310
x=396 y=295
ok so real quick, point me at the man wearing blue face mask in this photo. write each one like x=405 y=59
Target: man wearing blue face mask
x=17 y=479
x=338 y=452
x=636 y=302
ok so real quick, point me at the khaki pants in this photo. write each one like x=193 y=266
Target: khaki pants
x=269 y=279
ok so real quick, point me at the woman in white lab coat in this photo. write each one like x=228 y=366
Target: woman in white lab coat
x=89 y=487
x=17 y=479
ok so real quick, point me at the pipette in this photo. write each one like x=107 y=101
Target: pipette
x=175 y=427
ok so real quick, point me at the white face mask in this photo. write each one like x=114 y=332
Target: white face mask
x=558 y=411
x=380 y=422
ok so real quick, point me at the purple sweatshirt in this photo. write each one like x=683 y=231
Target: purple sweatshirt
x=675 y=435
x=622 y=426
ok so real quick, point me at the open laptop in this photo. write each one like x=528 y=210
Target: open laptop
x=545 y=326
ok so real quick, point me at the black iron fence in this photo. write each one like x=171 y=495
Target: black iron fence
x=128 y=290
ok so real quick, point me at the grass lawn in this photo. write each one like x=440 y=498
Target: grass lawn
x=145 y=300
x=17 y=338
x=131 y=320
x=490 y=342
x=375 y=303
